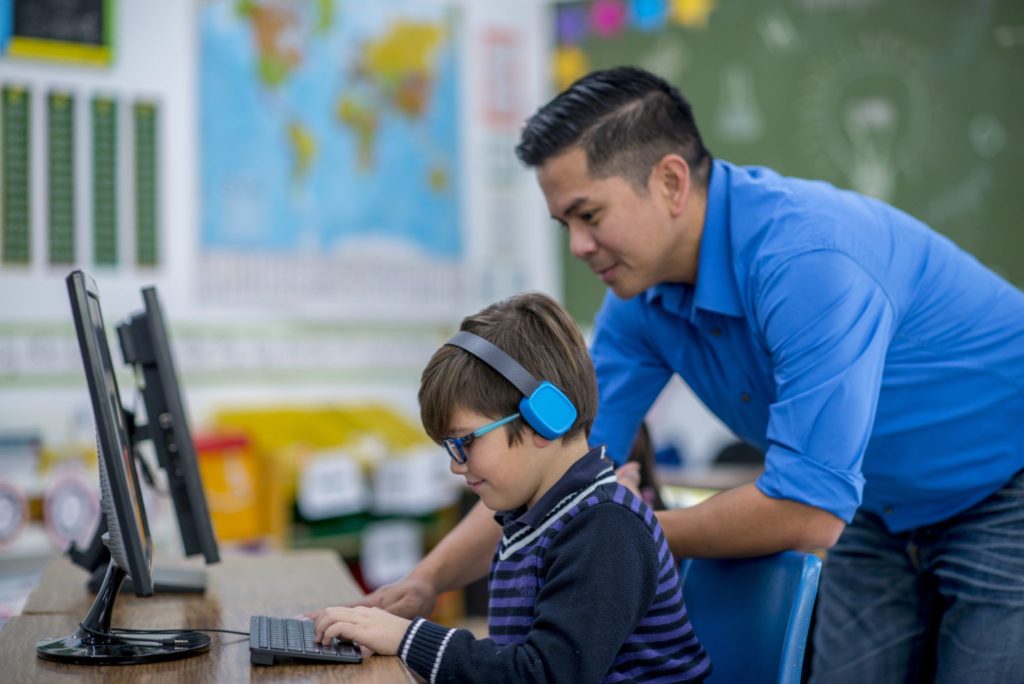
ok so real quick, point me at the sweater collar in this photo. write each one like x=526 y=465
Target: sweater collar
x=580 y=475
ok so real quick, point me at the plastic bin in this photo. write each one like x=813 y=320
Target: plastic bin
x=231 y=479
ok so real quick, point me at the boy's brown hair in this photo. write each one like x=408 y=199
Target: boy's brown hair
x=533 y=329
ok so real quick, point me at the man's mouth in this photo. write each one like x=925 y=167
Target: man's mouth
x=606 y=273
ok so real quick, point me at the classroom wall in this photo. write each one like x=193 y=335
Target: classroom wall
x=252 y=353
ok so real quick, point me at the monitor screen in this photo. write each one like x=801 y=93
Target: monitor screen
x=145 y=344
x=121 y=495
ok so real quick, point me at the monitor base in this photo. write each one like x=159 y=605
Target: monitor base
x=94 y=644
x=82 y=648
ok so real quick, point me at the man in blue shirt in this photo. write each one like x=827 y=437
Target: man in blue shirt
x=879 y=367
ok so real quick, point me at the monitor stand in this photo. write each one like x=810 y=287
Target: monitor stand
x=165 y=580
x=93 y=644
x=96 y=557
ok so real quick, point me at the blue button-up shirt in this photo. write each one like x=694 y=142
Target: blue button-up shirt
x=873 y=361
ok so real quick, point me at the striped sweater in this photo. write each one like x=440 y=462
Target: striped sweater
x=583 y=588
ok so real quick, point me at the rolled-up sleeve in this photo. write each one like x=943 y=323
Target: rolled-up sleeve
x=630 y=374
x=827 y=325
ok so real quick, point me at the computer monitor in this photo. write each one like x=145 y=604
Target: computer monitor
x=127 y=535
x=146 y=346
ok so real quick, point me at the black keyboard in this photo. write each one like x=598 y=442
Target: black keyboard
x=274 y=640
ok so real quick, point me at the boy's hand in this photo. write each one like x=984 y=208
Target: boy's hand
x=409 y=598
x=377 y=629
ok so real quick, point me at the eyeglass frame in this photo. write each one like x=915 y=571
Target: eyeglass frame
x=455 y=446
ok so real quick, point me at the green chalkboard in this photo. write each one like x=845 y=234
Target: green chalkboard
x=917 y=102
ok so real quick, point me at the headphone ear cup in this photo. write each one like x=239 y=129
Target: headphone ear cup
x=548 y=411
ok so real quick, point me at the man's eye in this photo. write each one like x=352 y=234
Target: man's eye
x=588 y=217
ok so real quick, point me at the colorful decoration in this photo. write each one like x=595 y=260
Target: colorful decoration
x=648 y=15
x=692 y=13
x=571 y=23
x=570 y=64
x=608 y=17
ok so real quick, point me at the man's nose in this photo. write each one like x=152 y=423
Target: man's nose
x=581 y=243
x=457 y=468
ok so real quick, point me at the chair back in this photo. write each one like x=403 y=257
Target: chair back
x=752 y=614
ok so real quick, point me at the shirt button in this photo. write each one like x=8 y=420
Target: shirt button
x=716 y=332
x=887 y=510
x=744 y=397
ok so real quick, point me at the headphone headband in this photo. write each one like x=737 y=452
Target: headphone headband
x=496 y=359
x=544 y=406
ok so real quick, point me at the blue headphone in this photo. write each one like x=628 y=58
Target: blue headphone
x=544 y=407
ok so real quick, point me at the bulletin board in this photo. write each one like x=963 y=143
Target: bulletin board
x=65 y=30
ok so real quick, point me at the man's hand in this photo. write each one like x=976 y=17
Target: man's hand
x=408 y=598
x=628 y=476
x=377 y=629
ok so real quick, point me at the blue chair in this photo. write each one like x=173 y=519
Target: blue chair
x=752 y=614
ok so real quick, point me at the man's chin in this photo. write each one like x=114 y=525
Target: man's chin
x=625 y=290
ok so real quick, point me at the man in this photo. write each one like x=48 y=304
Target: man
x=879 y=367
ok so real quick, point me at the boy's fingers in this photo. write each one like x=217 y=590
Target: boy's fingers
x=333 y=631
x=321 y=625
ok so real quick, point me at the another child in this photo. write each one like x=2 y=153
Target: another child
x=583 y=587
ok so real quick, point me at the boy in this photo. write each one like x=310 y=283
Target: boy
x=582 y=585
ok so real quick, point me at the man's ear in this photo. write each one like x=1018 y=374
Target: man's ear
x=671 y=179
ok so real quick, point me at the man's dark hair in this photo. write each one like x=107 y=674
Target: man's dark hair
x=625 y=119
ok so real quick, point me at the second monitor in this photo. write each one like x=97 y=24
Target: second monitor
x=145 y=344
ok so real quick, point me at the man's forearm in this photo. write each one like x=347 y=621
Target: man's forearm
x=745 y=522
x=464 y=555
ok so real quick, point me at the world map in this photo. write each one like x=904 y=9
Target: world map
x=329 y=127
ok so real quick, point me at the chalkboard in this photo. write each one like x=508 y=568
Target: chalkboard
x=919 y=103
x=68 y=30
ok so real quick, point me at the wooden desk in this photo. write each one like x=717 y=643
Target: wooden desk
x=239 y=586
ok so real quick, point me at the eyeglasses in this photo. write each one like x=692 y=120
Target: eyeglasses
x=456 y=446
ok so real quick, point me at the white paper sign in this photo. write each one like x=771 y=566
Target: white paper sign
x=331 y=485
x=390 y=549
x=414 y=483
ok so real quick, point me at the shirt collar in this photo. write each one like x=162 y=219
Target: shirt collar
x=715 y=289
x=581 y=474
x=675 y=297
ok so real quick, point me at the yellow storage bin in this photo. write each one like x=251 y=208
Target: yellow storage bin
x=231 y=479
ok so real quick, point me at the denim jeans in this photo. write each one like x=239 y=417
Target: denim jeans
x=942 y=603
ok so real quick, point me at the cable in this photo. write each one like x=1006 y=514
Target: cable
x=125 y=634
x=125 y=630
x=136 y=640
